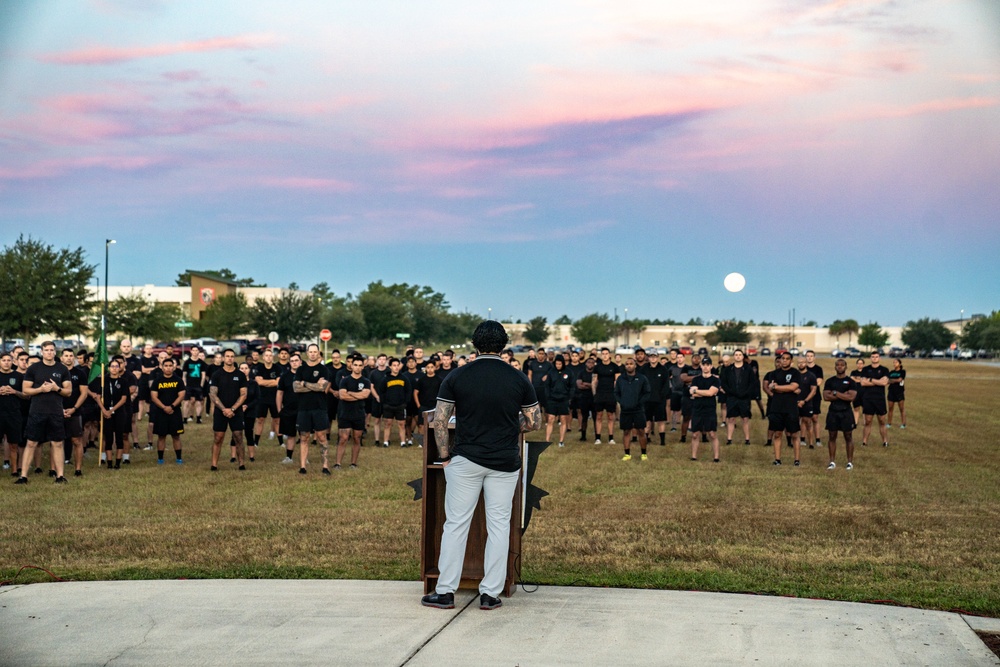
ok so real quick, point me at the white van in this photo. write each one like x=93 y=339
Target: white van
x=209 y=345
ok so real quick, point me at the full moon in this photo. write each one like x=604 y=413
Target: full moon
x=735 y=282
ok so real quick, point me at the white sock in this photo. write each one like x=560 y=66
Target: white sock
x=124 y=457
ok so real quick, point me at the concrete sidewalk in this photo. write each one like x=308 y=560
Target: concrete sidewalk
x=268 y=622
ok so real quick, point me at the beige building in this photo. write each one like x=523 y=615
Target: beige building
x=803 y=338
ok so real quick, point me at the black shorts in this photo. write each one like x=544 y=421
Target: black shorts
x=45 y=428
x=172 y=424
x=376 y=409
x=144 y=390
x=287 y=425
x=704 y=422
x=220 y=422
x=632 y=419
x=73 y=426
x=896 y=394
x=602 y=404
x=806 y=410
x=412 y=410
x=352 y=423
x=818 y=403
x=394 y=412
x=656 y=412
x=721 y=398
x=873 y=405
x=11 y=427
x=783 y=421
x=263 y=409
x=676 y=398
x=120 y=422
x=194 y=392
x=558 y=408
x=312 y=421
x=737 y=407
x=687 y=405
x=840 y=420
x=90 y=413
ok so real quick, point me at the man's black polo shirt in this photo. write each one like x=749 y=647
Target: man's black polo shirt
x=488 y=394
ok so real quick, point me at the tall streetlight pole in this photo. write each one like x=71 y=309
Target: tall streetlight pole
x=625 y=322
x=104 y=316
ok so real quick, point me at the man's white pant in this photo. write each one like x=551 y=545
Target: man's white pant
x=464 y=480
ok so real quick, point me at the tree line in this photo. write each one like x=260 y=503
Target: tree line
x=45 y=291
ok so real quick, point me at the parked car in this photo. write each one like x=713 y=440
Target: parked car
x=238 y=345
x=937 y=354
x=765 y=352
x=780 y=351
x=209 y=345
x=984 y=354
x=897 y=352
x=795 y=352
x=751 y=350
x=703 y=351
x=838 y=354
x=685 y=350
x=853 y=352
x=966 y=354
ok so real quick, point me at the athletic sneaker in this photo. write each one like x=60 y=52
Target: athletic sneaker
x=777 y=462
x=611 y=441
x=159 y=462
x=52 y=473
x=488 y=602
x=902 y=426
x=214 y=468
x=61 y=480
x=885 y=444
x=627 y=457
x=439 y=600
x=729 y=442
x=336 y=466
x=850 y=466
x=643 y=457
x=715 y=460
x=326 y=471
x=832 y=466
x=684 y=438
x=673 y=429
x=385 y=444
x=562 y=444
x=597 y=442
x=232 y=459
x=78 y=473
x=354 y=466
x=6 y=466
x=21 y=480
x=287 y=459
x=796 y=464
x=746 y=442
x=148 y=447
x=243 y=467
x=179 y=462
x=302 y=471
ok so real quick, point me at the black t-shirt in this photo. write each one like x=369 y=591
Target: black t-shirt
x=856 y=376
x=841 y=385
x=149 y=366
x=49 y=403
x=228 y=385
x=353 y=409
x=705 y=404
x=606 y=379
x=872 y=373
x=377 y=376
x=267 y=394
x=427 y=390
x=167 y=388
x=411 y=378
x=114 y=390
x=443 y=372
x=194 y=372
x=395 y=390
x=11 y=404
x=658 y=381
x=133 y=365
x=539 y=369
x=784 y=402
x=312 y=400
x=289 y=399
x=806 y=381
x=488 y=395
x=78 y=377
x=560 y=385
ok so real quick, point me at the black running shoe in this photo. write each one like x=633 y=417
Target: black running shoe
x=52 y=473
x=78 y=473
x=60 y=480
x=232 y=459
x=488 y=602
x=21 y=480
x=777 y=462
x=796 y=464
x=326 y=471
x=214 y=468
x=439 y=600
x=302 y=471
x=38 y=471
x=243 y=467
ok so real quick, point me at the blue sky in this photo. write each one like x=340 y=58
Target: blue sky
x=532 y=158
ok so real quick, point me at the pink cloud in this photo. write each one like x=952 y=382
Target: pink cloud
x=183 y=75
x=55 y=168
x=508 y=209
x=308 y=183
x=109 y=55
x=919 y=108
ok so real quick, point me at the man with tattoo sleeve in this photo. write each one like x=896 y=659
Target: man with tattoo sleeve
x=493 y=403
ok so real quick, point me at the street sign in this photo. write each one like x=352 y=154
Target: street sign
x=325 y=335
x=273 y=336
x=403 y=335
x=183 y=325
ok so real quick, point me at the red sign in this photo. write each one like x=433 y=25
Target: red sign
x=325 y=335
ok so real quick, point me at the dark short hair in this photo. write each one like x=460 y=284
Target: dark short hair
x=489 y=337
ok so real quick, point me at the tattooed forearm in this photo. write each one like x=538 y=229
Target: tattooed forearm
x=442 y=415
x=531 y=418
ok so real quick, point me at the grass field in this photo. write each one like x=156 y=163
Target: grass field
x=916 y=523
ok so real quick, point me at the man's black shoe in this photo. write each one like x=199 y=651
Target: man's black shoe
x=52 y=473
x=60 y=480
x=21 y=480
x=487 y=602
x=38 y=471
x=78 y=473
x=439 y=600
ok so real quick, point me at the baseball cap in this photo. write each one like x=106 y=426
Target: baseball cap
x=706 y=360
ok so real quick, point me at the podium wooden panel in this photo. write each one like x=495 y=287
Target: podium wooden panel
x=432 y=525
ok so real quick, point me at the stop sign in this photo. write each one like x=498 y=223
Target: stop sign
x=325 y=335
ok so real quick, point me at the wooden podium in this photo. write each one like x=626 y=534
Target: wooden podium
x=432 y=524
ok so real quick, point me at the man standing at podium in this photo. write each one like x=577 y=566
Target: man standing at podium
x=493 y=403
